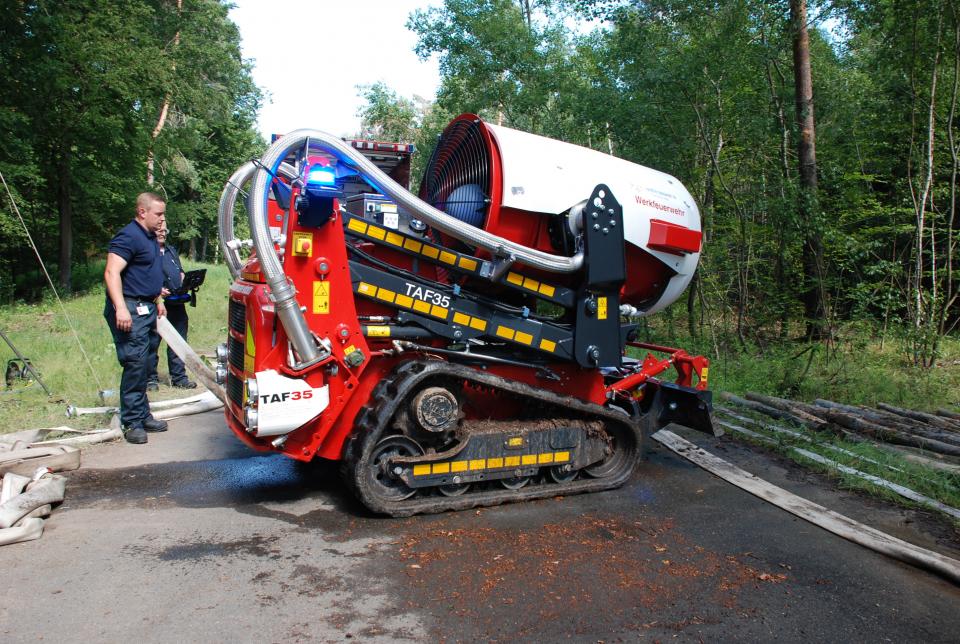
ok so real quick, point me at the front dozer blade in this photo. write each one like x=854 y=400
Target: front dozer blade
x=685 y=406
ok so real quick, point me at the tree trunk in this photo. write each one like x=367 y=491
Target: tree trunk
x=65 y=210
x=814 y=303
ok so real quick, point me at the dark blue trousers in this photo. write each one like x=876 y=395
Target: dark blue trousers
x=177 y=316
x=133 y=351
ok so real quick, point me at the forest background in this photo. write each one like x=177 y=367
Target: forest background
x=829 y=209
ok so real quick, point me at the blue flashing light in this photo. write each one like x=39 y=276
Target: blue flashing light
x=321 y=176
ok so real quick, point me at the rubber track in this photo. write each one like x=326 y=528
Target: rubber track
x=374 y=418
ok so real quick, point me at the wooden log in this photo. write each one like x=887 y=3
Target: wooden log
x=923 y=417
x=890 y=435
x=946 y=413
x=894 y=421
x=811 y=422
x=799 y=409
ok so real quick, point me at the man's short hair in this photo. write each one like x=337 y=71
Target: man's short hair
x=146 y=199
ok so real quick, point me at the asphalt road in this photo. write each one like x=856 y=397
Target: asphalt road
x=195 y=538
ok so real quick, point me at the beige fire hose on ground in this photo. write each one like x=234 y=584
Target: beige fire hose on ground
x=24 y=501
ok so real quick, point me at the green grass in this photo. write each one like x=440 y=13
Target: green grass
x=42 y=333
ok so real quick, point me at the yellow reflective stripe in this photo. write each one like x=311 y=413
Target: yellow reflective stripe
x=515 y=278
x=531 y=284
x=357 y=225
x=529 y=459
x=447 y=258
x=441 y=468
x=375 y=232
x=439 y=311
x=524 y=338
x=385 y=294
x=458 y=466
x=477 y=323
x=395 y=239
x=504 y=332
x=494 y=462
x=412 y=244
x=548 y=345
x=546 y=289
x=367 y=289
x=511 y=461
x=468 y=264
x=404 y=300
x=545 y=458
x=420 y=470
x=460 y=318
x=478 y=464
x=420 y=305
x=561 y=457
x=431 y=251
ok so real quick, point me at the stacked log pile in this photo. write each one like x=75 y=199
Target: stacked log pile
x=936 y=434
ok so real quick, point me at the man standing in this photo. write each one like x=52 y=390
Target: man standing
x=176 y=314
x=134 y=279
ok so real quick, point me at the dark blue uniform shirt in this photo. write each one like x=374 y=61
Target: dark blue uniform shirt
x=143 y=275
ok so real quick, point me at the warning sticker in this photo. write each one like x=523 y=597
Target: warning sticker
x=601 y=308
x=321 y=298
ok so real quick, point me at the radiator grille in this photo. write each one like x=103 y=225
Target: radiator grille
x=238 y=316
x=235 y=389
x=235 y=353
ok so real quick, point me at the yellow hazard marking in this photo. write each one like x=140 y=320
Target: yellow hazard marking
x=460 y=318
x=420 y=305
x=321 y=298
x=524 y=338
x=302 y=244
x=531 y=284
x=494 y=463
x=395 y=239
x=447 y=258
x=376 y=331
x=412 y=244
x=385 y=294
x=703 y=376
x=468 y=264
x=458 y=466
x=404 y=300
x=478 y=464
x=478 y=324
x=376 y=232
x=545 y=458
x=357 y=225
x=439 y=312
x=561 y=457
x=515 y=441
x=367 y=289
x=504 y=332
x=529 y=459
x=546 y=289
x=441 y=468
x=511 y=461
x=420 y=470
x=548 y=345
x=601 y=308
x=431 y=251
x=515 y=278
x=349 y=349
x=249 y=344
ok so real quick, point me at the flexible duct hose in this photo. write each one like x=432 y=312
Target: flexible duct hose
x=228 y=201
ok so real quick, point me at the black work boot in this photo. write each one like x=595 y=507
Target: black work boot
x=153 y=385
x=135 y=435
x=154 y=425
x=185 y=384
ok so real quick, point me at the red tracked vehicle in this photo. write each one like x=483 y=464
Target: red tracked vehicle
x=467 y=347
